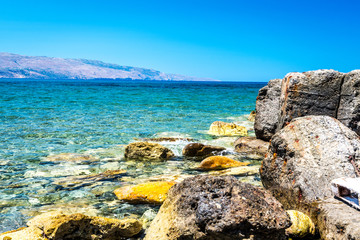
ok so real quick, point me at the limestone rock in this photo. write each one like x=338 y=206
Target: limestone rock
x=219 y=128
x=349 y=107
x=251 y=117
x=220 y=162
x=267 y=110
x=305 y=156
x=207 y=207
x=71 y=157
x=309 y=93
x=147 y=151
x=302 y=225
x=151 y=192
x=201 y=150
x=251 y=147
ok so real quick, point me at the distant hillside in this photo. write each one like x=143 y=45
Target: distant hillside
x=18 y=66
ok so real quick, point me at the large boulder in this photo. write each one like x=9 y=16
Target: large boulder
x=251 y=147
x=199 y=150
x=147 y=151
x=309 y=93
x=302 y=160
x=207 y=207
x=349 y=107
x=59 y=226
x=267 y=110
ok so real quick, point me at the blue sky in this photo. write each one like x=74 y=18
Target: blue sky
x=225 y=40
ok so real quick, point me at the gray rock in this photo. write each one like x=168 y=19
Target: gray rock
x=302 y=160
x=147 y=151
x=199 y=150
x=309 y=93
x=349 y=107
x=251 y=147
x=268 y=110
x=205 y=207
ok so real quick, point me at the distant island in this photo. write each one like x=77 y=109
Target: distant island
x=18 y=66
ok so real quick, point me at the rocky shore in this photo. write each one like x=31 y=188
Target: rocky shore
x=306 y=127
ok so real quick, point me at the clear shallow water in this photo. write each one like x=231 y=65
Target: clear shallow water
x=39 y=118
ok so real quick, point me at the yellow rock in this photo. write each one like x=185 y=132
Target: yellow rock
x=251 y=117
x=219 y=128
x=220 y=162
x=151 y=192
x=26 y=233
x=302 y=225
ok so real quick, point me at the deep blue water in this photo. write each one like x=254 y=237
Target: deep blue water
x=40 y=118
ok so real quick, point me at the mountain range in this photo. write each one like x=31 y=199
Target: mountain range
x=18 y=66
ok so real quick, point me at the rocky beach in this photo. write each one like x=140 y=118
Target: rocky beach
x=262 y=175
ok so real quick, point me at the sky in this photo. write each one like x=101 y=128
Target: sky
x=229 y=40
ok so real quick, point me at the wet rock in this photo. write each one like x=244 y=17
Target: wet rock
x=349 y=107
x=75 y=182
x=220 y=162
x=58 y=226
x=251 y=147
x=302 y=160
x=151 y=192
x=251 y=117
x=147 y=151
x=71 y=157
x=200 y=150
x=268 y=110
x=207 y=207
x=302 y=225
x=309 y=93
x=219 y=128
x=238 y=171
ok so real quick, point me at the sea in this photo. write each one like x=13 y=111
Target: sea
x=100 y=117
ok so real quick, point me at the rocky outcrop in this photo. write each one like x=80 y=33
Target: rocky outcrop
x=301 y=225
x=251 y=147
x=220 y=162
x=151 y=192
x=147 y=151
x=267 y=110
x=302 y=160
x=70 y=157
x=205 y=207
x=199 y=150
x=220 y=128
x=349 y=106
x=321 y=92
x=58 y=226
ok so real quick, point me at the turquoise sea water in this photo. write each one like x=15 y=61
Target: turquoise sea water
x=99 y=117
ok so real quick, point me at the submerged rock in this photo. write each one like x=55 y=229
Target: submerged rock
x=58 y=226
x=71 y=157
x=201 y=150
x=219 y=128
x=238 y=171
x=251 y=147
x=74 y=182
x=151 y=192
x=268 y=110
x=166 y=139
x=147 y=151
x=302 y=225
x=220 y=162
x=207 y=207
